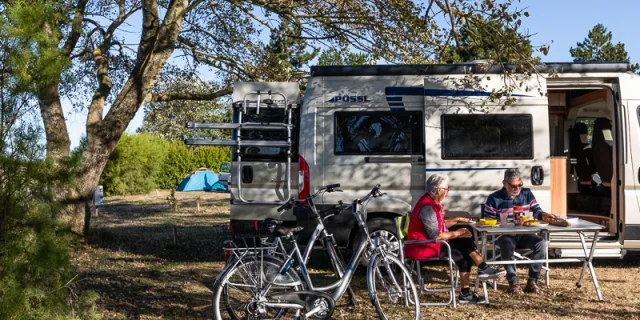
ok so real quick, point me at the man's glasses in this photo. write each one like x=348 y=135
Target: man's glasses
x=515 y=186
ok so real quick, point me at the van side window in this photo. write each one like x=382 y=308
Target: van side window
x=378 y=132
x=482 y=136
x=275 y=115
x=589 y=123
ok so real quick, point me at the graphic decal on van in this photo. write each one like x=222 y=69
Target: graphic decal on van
x=395 y=95
x=461 y=169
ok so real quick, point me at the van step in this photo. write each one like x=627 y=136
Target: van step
x=234 y=126
x=599 y=253
x=242 y=143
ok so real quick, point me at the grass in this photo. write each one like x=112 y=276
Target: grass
x=142 y=271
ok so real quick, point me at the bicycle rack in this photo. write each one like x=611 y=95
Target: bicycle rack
x=242 y=110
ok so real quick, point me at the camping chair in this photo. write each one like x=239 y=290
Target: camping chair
x=519 y=254
x=416 y=269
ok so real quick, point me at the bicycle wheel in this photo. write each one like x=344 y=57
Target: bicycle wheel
x=391 y=288
x=237 y=291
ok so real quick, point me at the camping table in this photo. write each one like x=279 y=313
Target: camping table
x=483 y=232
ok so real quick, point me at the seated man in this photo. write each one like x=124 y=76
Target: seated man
x=513 y=194
x=427 y=222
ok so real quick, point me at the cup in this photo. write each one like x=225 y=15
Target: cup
x=504 y=218
x=528 y=215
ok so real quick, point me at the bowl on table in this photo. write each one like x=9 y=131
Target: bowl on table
x=488 y=221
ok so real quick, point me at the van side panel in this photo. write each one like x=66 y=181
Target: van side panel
x=354 y=122
x=451 y=102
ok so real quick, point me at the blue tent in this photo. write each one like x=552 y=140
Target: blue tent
x=202 y=179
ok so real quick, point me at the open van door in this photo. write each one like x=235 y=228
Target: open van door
x=630 y=95
x=473 y=137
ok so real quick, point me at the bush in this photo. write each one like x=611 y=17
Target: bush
x=36 y=276
x=143 y=162
x=134 y=165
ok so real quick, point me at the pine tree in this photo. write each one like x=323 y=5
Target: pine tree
x=597 y=47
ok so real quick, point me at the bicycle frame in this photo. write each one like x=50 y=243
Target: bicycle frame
x=342 y=284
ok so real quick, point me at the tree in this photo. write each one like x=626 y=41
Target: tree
x=597 y=47
x=89 y=48
x=476 y=41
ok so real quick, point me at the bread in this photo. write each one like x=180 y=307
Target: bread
x=556 y=221
x=531 y=223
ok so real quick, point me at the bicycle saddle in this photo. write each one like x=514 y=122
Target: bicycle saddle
x=282 y=231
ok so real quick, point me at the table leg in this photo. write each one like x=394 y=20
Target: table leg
x=546 y=257
x=588 y=263
x=483 y=248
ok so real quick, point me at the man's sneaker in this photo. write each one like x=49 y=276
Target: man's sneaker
x=470 y=298
x=491 y=273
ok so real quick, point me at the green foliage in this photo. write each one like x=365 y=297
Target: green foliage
x=344 y=57
x=134 y=165
x=37 y=60
x=143 y=162
x=597 y=47
x=476 y=40
x=36 y=276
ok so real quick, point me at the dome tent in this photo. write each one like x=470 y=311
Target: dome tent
x=202 y=179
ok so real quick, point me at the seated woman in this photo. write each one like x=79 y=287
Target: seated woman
x=427 y=223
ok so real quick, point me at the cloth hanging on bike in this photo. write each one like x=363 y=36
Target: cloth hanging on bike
x=418 y=232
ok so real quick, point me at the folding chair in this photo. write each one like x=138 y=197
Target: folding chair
x=415 y=267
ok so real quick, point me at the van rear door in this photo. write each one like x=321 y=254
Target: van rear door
x=472 y=135
x=259 y=170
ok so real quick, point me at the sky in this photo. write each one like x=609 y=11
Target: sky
x=560 y=24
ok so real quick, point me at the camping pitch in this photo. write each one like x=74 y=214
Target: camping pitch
x=202 y=179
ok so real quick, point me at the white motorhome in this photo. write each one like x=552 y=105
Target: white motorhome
x=572 y=129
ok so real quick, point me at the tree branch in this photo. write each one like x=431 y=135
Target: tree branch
x=175 y=96
x=76 y=28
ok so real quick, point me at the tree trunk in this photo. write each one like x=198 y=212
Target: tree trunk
x=58 y=142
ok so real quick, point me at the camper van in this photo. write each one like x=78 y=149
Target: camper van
x=571 y=128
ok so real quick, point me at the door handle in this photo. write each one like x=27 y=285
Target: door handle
x=247 y=174
x=537 y=175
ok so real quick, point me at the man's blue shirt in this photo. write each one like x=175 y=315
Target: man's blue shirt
x=498 y=202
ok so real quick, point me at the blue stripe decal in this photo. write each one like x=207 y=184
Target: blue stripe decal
x=396 y=104
x=462 y=169
x=394 y=98
x=349 y=269
x=397 y=109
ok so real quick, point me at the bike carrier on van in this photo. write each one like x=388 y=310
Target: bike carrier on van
x=252 y=103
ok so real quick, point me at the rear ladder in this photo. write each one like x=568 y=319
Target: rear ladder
x=242 y=109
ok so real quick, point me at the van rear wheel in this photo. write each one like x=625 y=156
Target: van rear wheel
x=385 y=231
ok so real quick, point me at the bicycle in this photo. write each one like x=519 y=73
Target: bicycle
x=269 y=298
x=275 y=249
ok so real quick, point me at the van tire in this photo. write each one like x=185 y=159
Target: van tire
x=384 y=226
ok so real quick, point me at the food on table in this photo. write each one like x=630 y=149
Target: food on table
x=556 y=221
x=488 y=221
x=531 y=223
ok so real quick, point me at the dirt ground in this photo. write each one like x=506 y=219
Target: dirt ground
x=148 y=261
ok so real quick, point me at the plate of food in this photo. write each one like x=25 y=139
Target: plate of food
x=534 y=223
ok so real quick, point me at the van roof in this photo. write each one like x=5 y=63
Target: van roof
x=463 y=68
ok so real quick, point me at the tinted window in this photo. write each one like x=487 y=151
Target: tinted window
x=379 y=132
x=275 y=115
x=589 y=123
x=487 y=136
